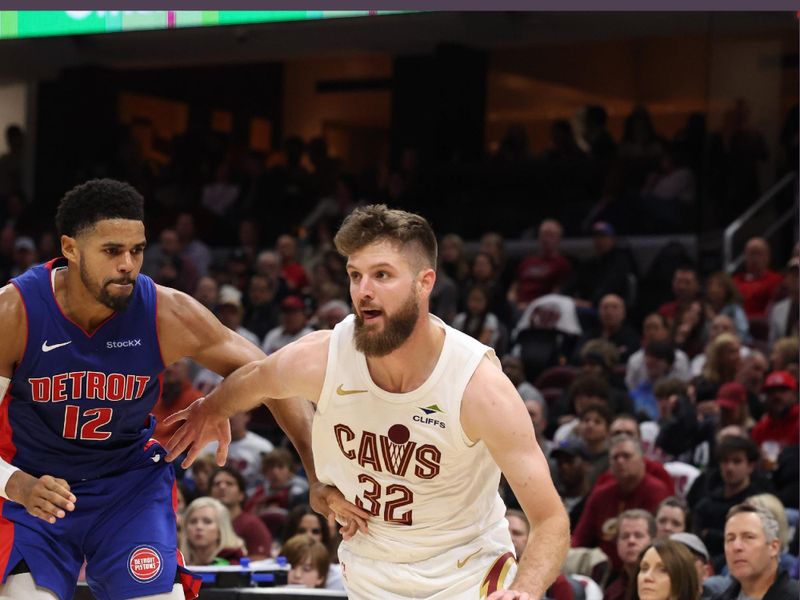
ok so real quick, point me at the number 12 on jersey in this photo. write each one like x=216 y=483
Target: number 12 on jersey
x=90 y=430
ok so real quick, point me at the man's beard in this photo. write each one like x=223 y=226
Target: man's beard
x=101 y=294
x=397 y=329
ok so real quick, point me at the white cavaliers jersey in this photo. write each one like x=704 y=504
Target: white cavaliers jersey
x=404 y=458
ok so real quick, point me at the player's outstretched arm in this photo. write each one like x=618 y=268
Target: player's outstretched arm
x=45 y=497
x=297 y=370
x=493 y=412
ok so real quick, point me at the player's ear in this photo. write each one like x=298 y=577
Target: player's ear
x=69 y=248
x=426 y=279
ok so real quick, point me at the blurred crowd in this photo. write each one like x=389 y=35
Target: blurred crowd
x=660 y=399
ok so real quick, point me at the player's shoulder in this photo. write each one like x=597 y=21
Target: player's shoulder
x=12 y=307
x=13 y=321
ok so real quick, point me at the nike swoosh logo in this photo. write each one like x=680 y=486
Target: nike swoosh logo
x=461 y=563
x=155 y=457
x=343 y=392
x=46 y=348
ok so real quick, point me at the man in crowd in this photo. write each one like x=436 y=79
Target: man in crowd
x=636 y=530
x=757 y=283
x=543 y=272
x=685 y=289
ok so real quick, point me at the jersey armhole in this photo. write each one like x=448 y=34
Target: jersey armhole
x=330 y=367
x=27 y=328
x=460 y=438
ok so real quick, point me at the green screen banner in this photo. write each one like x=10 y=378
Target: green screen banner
x=38 y=23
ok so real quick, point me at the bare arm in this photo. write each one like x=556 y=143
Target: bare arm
x=45 y=497
x=493 y=412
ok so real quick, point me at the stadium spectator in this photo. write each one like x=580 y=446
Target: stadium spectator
x=635 y=530
x=751 y=553
x=783 y=317
x=654 y=329
x=781 y=421
x=685 y=289
x=453 y=259
x=592 y=429
x=177 y=393
x=784 y=355
x=751 y=374
x=544 y=272
x=294 y=325
x=478 y=321
x=330 y=314
x=262 y=308
x=291 y=270
x=719 y=324
x=231 y=312
x=207 y=292
x=722 y=298
x=757 y=283
x=689 y=329
x=572 y=477
x=672 y=516
x=208 y=537
x=228 y=486
x=612 y=327
x=309 y=561
x=282 y=489
x=196 y=251
x=658 y=360
x=737 y=457
x=484 y=273
x=701 y=561
x=667 y=571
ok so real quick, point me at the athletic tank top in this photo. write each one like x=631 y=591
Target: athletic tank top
x=404 y=457
x=79 y=404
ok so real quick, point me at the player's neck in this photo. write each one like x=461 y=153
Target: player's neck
x=408 y=367
x=77 y=303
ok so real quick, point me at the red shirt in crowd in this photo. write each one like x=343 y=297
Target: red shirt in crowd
x=540 y=275
x=785 y=431
x=757 y=293
x=607 y=502
x=652 y=467
x=256 y=536
x=295 y=275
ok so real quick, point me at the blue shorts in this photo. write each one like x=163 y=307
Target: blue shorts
x=124 y=525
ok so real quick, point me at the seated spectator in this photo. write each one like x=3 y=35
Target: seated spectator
x=719 y=325
x=757 y=283
x=773 y=504
x=613 y=328
x=512 y=367
x=722 y=362
x=751 y=374
x=291 y=270
x=601 y=358
x=634 y=531
x=544 y=272
x=228 y=486
x=231 y=311
x=309 y=561
x=478 y=321
x=207 y=293
x=654 y=329
x=453 y=259
x=282 y=488
x=302 y=520
x=723 y=298
x=484 y=272
x=672 y=516
x=584 y=390
x=294 y=325
x=177 y=393
x=685 y=289
x=658 y=360
x=667 y=391
x=751 y=553
x=245 y=450
x=593 y=424
x=737 y=458
x=165 y=262
x=631 y=487
x=784 y=355
x=268 y=264
x=606 y=272
x=781 y=422
x=208 y=537
x=783 y=317
x=572 y=477
x=626 y=424
x=330 y=314
x=191 y=248
x=262 y=312
x=689 y=329
x=732 y=402
x=667 y=571
x=198 y=479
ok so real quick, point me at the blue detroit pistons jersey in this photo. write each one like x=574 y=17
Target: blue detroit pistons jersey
x=79 y=404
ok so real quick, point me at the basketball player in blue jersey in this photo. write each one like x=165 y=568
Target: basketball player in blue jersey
x=414 y=423
x=85 y=339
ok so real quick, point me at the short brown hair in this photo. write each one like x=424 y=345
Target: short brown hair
x=279 y=457
x=684 y=583
x=298 y=547
x=669 y=386
x=377 y=222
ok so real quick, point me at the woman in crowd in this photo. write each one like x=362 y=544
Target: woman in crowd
x=723 y=298
x=667 y=572
x=303 y=520
x=207 y=537
x=478 y=321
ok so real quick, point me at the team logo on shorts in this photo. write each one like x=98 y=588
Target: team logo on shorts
x=144 y=564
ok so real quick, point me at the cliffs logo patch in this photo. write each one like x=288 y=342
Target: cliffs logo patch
x=144 y=564
x=429 y=410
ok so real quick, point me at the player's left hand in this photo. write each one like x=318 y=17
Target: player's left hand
x=511 y=595
x=201 y=426
x=331 y=503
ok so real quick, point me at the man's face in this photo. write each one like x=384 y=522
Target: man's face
x=669 y=520
x=721 y=324
x=735 y=469
x=277 y=474
x=519 y=533
x=258 y=291
x=654 y=329
x=685 y=285
x=207 y=291
x=549 y=237
x=383 y=287
x=170 y=244
x=287 y=248
x=571 y=469
x=225 y=489
x=293 y=320
x=747 y=552
x=627 y=465
x=779 y=400
x=612 y=312
x=632 y=538
x=593 y=428
x=109 y=258
x=756 y=256
x=656 y=367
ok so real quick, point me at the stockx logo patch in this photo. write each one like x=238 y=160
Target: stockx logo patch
x=429 y=410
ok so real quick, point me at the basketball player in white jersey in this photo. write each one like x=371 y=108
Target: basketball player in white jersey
x=414 y=423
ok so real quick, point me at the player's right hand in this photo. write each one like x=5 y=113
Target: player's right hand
x=201 y=426
x=46 y=497
x=331 y=503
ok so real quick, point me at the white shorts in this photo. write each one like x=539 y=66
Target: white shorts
x=468 y=572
